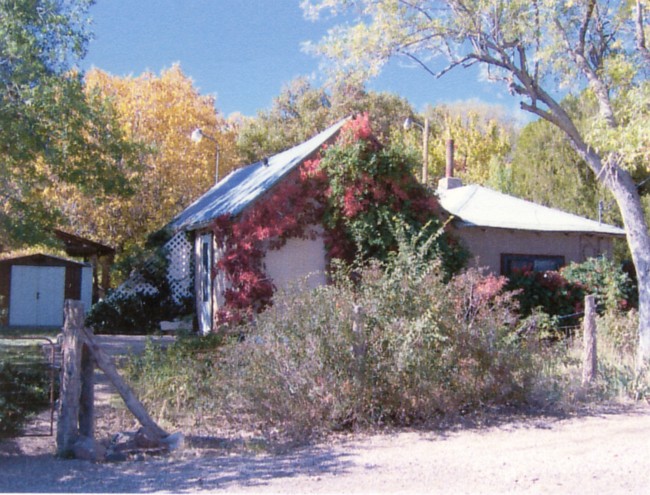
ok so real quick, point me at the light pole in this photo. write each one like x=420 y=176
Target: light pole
x=408 y=123
x=197 y=135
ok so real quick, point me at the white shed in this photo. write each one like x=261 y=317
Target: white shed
x=34 y=288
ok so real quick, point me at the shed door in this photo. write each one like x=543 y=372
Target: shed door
x=37 y=294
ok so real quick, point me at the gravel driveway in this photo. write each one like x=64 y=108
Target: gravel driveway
x=608 y=453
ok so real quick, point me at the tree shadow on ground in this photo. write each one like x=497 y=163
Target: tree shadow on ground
x=191 y=471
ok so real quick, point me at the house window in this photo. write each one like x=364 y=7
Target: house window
x=529 y=263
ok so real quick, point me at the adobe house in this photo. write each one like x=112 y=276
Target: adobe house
x=501 y=232
x=34 y=287
x=504 y=233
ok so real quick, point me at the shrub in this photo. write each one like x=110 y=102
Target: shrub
x=561 y=294
x=180 y=380
x=548 y=292
x=418 y=351
x=605 y=279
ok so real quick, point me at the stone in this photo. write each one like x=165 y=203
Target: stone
x=175 y=441
x=88 y=449
x=147 y=439
x=115 y=456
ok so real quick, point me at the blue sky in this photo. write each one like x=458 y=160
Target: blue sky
x=244 y=51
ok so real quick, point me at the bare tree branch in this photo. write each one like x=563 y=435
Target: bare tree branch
x=580 y=49
x=419 y=9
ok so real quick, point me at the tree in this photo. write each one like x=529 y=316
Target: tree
x=301 y=110
x=50 y=132
x=480 y=137
x=537 y=49
x=158 y=113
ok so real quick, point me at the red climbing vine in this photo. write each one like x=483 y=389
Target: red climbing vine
x=354 y=188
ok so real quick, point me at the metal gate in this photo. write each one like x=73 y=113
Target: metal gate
x=28 y=385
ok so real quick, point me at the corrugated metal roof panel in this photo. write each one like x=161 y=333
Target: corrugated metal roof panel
x=482 y=207
x=242 y=187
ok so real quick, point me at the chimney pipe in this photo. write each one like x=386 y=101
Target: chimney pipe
x=449 y=181
x=449 y=166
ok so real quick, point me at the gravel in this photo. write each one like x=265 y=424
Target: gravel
x=604 y=453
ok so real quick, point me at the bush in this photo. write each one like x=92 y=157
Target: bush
x=561 y=294
x=399 y=347
x=548 y=292
x=180 y=380
x=605 y=279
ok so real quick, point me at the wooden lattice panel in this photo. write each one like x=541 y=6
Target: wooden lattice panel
x=179 y=272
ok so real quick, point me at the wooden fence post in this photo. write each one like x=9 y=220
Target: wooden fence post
x=589 y=354
x=87 y=398
x=359 y=347
x=67 y=431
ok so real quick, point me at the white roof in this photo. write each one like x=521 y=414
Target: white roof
x=243 y=186
x=479 y=206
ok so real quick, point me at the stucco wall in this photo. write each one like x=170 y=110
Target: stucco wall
x=487 y=245
x=296 y=260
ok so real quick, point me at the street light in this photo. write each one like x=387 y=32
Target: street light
x=196 y=136
x=408 y=124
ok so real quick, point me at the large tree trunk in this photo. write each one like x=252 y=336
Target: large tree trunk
x=620 y=183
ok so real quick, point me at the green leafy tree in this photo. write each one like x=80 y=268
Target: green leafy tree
x=540 y=172
x=481 y=136
x=517 y=43
x=50 y=132
x=301 y=110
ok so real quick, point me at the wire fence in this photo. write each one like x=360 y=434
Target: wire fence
x=29 y=369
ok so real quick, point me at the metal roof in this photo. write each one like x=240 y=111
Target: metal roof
x=478 y=206
x=243 y=186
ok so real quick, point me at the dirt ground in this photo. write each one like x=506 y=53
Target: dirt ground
x=606 y=451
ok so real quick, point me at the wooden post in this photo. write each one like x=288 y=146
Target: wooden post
x=359 y=342
x=105 y=363
x=589 y=355
x=87 y=398
x=68 y=424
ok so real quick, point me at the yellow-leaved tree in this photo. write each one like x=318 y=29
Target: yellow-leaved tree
x=160 y=113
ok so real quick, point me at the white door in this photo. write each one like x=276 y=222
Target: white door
x=203 y=258
x=37 y=294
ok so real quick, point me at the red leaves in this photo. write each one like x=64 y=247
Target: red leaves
x=287 y=211
x=358 y=129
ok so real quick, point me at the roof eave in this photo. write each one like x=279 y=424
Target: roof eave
x=465 y=224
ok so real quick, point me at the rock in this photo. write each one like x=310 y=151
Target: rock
x=147 y=439
x=115 y=456
x=122 y=437
x=88 y=449
x=175 y=441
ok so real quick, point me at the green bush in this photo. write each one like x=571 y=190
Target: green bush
x=604 y=278
x=548 y=292
x=420 y=350
x=180 y=380
x=561 y=294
